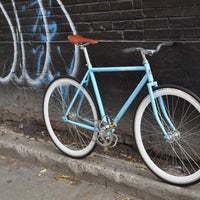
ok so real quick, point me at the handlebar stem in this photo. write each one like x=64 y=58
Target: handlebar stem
x=144 y=57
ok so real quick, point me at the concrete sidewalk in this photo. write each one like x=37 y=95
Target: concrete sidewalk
x=125 y=176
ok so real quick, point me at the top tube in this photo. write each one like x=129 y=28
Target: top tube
x=117 y=69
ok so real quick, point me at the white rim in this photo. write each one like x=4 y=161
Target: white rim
x=170 y=178
x=62 y=147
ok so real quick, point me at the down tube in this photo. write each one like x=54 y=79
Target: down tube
x=131 y=98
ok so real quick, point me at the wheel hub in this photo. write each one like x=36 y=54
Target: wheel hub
x=173 y=136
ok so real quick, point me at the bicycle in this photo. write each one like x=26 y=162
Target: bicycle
x=166 y=125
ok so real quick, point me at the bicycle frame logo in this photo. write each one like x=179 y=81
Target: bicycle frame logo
x=47 y=30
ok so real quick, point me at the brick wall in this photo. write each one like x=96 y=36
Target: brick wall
x=34 y=48
x=140 y=20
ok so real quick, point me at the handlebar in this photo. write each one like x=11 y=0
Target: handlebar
x=149 y=52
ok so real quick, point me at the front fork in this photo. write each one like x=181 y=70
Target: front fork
x=150 y=85
x=168 y=135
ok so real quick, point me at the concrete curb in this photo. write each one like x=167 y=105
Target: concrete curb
x=123 y=175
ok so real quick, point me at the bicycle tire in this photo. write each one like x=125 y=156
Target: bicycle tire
x=71 y=139
x=176 y=162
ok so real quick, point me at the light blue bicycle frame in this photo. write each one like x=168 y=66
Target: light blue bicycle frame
x=147 y=78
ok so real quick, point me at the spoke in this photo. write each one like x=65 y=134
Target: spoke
x=188 y=157
x=179 y=158
x=62 y=101
x=79 y=139
x=72 y=134
x=150 y=124
x=191 y=130
x=173 y=115
x=154 y=146
x=194 y=152
x=184 y=115
x=86 y=135
x=190 y=122
x=167 y=107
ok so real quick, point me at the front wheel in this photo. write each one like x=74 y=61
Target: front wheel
x=70 y=138
x=177 y=160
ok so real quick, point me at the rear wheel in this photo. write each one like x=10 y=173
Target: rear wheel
x=176 y=160
x=69 y=138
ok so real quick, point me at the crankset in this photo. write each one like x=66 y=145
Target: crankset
x=106 y=136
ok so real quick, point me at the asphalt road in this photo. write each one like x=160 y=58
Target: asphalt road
x=107 y=177
x=21 y=181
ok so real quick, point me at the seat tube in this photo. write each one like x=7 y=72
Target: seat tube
x=94 y=82
x=98 y=96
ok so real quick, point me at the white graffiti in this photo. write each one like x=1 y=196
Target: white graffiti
x=17 y=36
x=9 y=76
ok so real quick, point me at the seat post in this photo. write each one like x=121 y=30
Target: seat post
x=86 y=55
